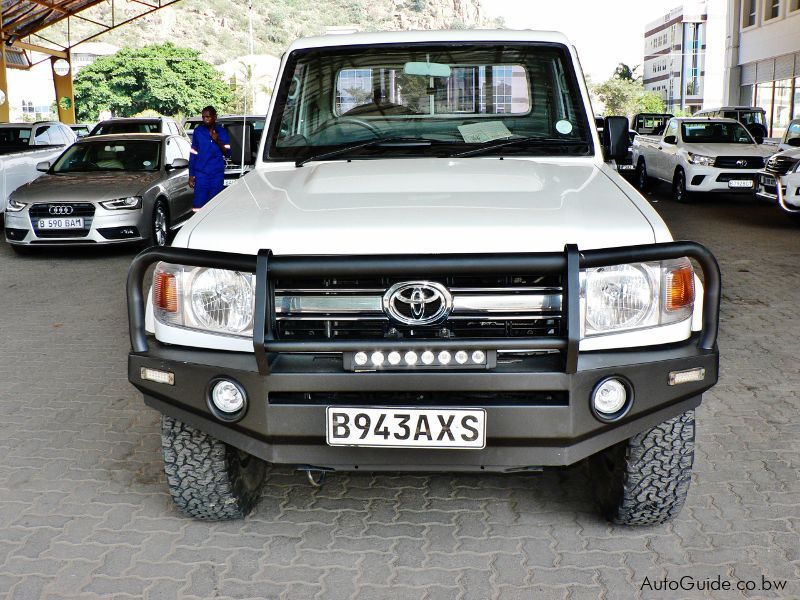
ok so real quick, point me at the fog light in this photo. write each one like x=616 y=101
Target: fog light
x=227 y=396
x=444 y=357
x=360 y=358
x=427 y=357
x=377 y=358
x=461 y=357
x=478 y=357
x=410 y=358
x=610 y=397
x=394 y=358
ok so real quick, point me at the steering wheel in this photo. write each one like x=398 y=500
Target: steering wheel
x=345 y=120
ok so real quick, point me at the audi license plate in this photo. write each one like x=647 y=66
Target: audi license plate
x=406 y=427
x=61 y=223
x=740 y=183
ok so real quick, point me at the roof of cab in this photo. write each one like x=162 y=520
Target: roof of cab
x=411 y=37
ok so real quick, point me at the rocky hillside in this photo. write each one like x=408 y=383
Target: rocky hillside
x=219 y=28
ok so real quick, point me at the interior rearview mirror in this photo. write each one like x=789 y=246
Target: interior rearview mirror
x=615 y=138
x=426 y=69
x=44 y=166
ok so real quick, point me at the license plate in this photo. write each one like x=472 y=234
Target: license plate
x=406 y=427
x=625 y=167
x=228 y=182
x=61 y=223
x=740 y=183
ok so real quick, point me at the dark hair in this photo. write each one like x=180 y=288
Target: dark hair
x=210 y=109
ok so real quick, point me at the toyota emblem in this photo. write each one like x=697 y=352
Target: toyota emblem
x=61 y=209
x=741 y=163
x=417 y=302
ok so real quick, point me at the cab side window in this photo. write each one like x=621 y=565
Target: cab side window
x=42 y=137
x=173 y=151
x=184 y=146
x=672 y=131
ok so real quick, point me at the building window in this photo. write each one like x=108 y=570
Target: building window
x=748 y=13
x=772 y=9
x=796 y=103
x=782 y=107
x=794 y=5
x=763 y=99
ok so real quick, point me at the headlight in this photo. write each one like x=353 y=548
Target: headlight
x=636 y=296
x=212 y=300
x=129 y=203
x=701 y=160
x=14 y=206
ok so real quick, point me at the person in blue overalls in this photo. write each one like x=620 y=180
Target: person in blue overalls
x=210 y=146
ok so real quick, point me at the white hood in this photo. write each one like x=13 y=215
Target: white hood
x=729 y=149
x=419 y=206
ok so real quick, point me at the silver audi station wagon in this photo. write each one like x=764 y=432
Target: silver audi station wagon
x=104 y=190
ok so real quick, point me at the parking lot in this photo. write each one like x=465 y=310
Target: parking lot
x=85 y=511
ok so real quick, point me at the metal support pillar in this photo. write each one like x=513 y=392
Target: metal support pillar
x=62 y=82
x=5 y=112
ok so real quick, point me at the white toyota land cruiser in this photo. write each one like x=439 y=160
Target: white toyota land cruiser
x=431 y=268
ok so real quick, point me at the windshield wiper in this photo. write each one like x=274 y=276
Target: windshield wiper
x=388 y=141
x=533 y=141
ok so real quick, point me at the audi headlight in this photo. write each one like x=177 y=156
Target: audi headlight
x=129 y=203
x=701 y=160
x=14 y=206
x=636 y=296
x=212 y=300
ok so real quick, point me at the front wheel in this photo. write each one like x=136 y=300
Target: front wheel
x=159 y=226
x=208 y=479
x=642 y=178
x=679 y=191
x=645 y=479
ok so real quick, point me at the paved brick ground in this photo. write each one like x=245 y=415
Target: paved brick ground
x=84 y=510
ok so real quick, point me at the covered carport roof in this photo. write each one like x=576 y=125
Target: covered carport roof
x=27 y=23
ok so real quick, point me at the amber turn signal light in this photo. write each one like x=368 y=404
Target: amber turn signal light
x=680 y=287
x=165 y=291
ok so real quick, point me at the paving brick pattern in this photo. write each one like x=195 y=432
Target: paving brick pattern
x=84 y=509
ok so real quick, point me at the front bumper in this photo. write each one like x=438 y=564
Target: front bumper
x=538 y=409
x=103 y=227
x=714 y=179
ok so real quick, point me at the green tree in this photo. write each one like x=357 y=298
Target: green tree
x=161 y=77
x=626 y=97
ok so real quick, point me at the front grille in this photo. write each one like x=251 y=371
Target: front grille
x=780 y=165
x=732 y=162
x=460 y=399
x=531 y=307
x=79 y=209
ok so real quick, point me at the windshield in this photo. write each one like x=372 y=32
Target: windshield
x=748 y=117
x=117 y=128
x=714 y=132
x=110 y=156
x=15 y=136
x=453 y=98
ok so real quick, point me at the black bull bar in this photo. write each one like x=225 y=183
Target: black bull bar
x=268 y=267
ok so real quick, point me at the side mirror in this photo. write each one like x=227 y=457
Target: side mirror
x=44 y=167
x=793 y=142
x=178 y=163
x=615 y=138
x=670 y=139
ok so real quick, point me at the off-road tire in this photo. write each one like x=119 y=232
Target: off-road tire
x=645 y=479
x=207 y=478
x=679 y=191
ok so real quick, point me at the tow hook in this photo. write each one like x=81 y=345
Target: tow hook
x=316 y=476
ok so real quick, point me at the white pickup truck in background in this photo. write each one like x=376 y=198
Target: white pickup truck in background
x=699 y=155
x=23 y=146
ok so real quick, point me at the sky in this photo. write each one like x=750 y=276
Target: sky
x=605 y=32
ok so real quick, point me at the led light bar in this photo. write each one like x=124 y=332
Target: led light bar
x=419 y=359
x=158 y=376
x=679 y=377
